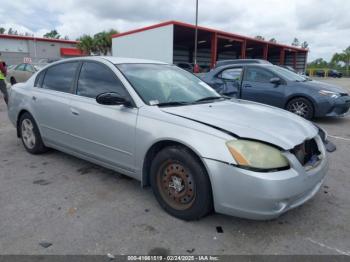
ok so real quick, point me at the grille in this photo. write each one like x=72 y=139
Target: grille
x=307 y=153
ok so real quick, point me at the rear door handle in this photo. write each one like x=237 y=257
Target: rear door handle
x=74 y=112
x=247 y=85
x=34 y=98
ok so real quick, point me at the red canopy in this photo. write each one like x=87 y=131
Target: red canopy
x=71 y=52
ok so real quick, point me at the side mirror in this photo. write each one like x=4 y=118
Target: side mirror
x=111 y=98
x=275 y=80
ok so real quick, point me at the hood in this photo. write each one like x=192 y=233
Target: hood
x=250 y=120
x=317 y=85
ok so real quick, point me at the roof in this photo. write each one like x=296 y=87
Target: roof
x=113 y=60
x=219 y=32
x=32 y=38
x=125 y=60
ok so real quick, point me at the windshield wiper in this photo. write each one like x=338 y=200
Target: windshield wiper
x=209 y=98
x=174 y=103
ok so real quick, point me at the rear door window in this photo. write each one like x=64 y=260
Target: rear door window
x=20 y=67
x=30 y=68
x=96 y=78
x=60 y=77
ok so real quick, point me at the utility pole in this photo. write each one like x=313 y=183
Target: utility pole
x=196 y=69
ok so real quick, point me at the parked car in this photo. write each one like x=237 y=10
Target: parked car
x=186 y=66
x=240 y=61
x=320 y=73
x=21 y=73
x=276 y=86
x=190 y=67
x=161 y=125
x=9 y=67
x=334 y=73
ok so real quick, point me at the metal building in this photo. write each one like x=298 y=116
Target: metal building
x=173 y=42
x=16 y=49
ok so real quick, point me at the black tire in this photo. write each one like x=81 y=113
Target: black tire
x=301 y=106
x=13 y=81
x=37 y=147
x=195 y=182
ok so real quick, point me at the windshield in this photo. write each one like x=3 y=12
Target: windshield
x=287 y=74
x=166 y=84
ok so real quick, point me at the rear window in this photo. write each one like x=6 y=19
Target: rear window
x=60 y=77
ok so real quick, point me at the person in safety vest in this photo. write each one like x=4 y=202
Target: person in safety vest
x=3 y=72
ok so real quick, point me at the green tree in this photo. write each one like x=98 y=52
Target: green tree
x=318 y=63
x=273 y=40
x=100 y=43
x=86 y=44
x=52 y=34
x=2 y=30
x=103 y=41
x=295 y=42
x=10 y=31
x=259 y=37
x=343 y=57
x=304 y=45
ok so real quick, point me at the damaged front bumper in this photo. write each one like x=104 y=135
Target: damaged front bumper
x=255 y=195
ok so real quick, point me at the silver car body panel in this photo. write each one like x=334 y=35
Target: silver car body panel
x=119 y=138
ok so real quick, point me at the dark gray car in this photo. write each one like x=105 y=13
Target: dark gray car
x=277 y=86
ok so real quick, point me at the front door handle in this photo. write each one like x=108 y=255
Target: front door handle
x=74 y=112
x=247 y=86
x=34 y=98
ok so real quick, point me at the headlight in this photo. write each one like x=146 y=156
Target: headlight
x=329 y=93
x=256 y=155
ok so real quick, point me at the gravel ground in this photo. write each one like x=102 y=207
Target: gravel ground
x=58 y=204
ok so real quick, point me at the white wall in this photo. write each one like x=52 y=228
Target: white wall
x=13 y=45
x=154 y=44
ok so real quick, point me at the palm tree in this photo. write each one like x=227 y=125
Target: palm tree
x=259 y=37
x=295 y=42
x=52 y=34
x=304 y=45
x=103 y=41
x=86 y=44
x=100 y=43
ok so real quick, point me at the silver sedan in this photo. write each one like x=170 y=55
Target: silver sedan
x=199 y=151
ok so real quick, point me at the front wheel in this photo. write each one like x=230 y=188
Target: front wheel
x=302 y=107
x=181 y=184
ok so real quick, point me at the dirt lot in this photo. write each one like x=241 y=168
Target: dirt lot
x=81 y=208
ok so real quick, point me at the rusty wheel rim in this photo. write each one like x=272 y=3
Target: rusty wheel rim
x=176 y=185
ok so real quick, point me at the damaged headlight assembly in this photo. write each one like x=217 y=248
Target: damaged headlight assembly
x=257 y=156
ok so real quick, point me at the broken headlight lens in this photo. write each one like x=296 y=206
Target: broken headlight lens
x=256 y=155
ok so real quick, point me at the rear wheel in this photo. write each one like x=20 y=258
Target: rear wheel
x=30 y=135
x=302 y=107
x=181 y=184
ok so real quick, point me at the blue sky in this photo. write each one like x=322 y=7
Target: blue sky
x=325 y=25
